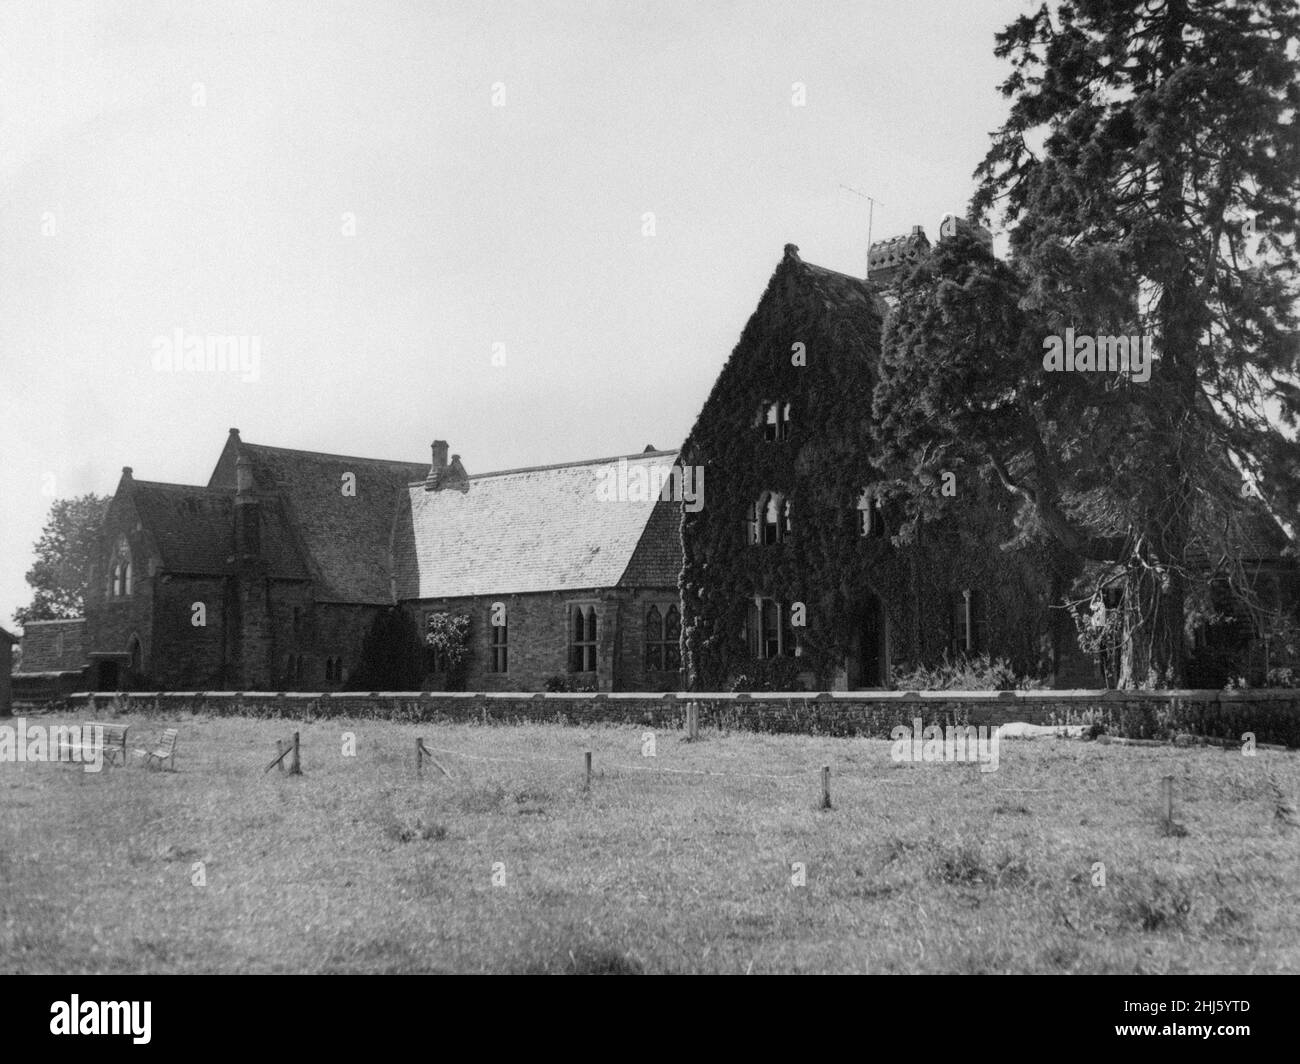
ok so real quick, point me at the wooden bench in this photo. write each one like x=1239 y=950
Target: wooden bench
x=164 y=751
x=114 y=741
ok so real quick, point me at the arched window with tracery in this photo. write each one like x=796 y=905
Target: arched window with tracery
x=582 y=645
x=119 y=569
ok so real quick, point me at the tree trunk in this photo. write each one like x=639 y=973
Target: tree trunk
x=1153 y=652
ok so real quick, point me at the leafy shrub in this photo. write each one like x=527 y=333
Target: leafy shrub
x=964 y=673
x=566 y=684
x=447 y=637
x=768 y=674
x=1283 y=677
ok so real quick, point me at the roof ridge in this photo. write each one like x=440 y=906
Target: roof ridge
x=172 y=484
x=328 y=454
x=565 y=465
x=837 y=273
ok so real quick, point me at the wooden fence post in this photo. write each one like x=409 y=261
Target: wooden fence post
x=826 y=786
x=587 y=759
x=1167 y=786
x=419 y=758
x=692 y=720
x=279 y=754
x=295 y=769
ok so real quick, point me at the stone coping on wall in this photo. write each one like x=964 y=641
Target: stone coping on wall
x=1243 y=695
x=1272 y=715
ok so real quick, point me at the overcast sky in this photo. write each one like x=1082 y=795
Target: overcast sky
x=376 y=194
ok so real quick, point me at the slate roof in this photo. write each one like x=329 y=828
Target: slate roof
x=193 y=529
x=345 y=540
x=8 y=636
x=523 y=530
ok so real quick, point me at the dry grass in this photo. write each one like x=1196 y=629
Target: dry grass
x=359 y=866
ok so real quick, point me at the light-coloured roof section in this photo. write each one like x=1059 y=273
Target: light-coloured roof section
x=551 y=528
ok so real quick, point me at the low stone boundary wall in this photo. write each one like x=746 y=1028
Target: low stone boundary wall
x=1272 y=715
x=34 y=688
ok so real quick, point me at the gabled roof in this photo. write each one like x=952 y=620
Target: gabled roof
x=193 y=529
x=346 y=539
x=8 y=636
x=548 y=528
x=801 y=299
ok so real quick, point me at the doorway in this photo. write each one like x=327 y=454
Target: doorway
x=869 y=665
x=108 y=675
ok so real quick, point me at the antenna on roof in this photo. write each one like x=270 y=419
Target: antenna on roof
x=871 y=212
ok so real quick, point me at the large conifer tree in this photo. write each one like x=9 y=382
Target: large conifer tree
x=1149 y=170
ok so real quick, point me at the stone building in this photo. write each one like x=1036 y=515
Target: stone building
x=559 y=577
x=53 y=661
x=7 y=641
x=609 y=575
x=789 y=577
x=271 y=576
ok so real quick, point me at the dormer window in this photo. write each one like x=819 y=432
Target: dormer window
x=776 y=421
x=870 y=521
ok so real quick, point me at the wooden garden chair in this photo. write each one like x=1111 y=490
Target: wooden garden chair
x=165 y=751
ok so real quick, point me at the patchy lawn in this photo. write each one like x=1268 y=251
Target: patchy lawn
x=357 y=865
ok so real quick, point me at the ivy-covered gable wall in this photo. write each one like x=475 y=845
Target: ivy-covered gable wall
x=814 y=342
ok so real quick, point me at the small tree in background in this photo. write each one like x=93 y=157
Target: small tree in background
x=64 y=555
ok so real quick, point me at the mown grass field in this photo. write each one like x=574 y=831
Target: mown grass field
x=358 y=866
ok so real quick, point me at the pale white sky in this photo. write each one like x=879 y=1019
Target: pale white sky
x=128 y=212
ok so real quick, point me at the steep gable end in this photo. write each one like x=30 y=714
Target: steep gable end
x=340 y=509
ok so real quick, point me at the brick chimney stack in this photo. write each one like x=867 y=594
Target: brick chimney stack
x=444 y=474
x=438 y=468
x=248 y=512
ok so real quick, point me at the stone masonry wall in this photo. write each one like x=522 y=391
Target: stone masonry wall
x=538 y=638
x=1272 y=715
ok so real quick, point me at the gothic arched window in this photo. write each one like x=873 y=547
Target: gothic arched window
x=582 y=648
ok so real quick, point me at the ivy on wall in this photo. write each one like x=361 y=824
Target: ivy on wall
x=814 y=342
